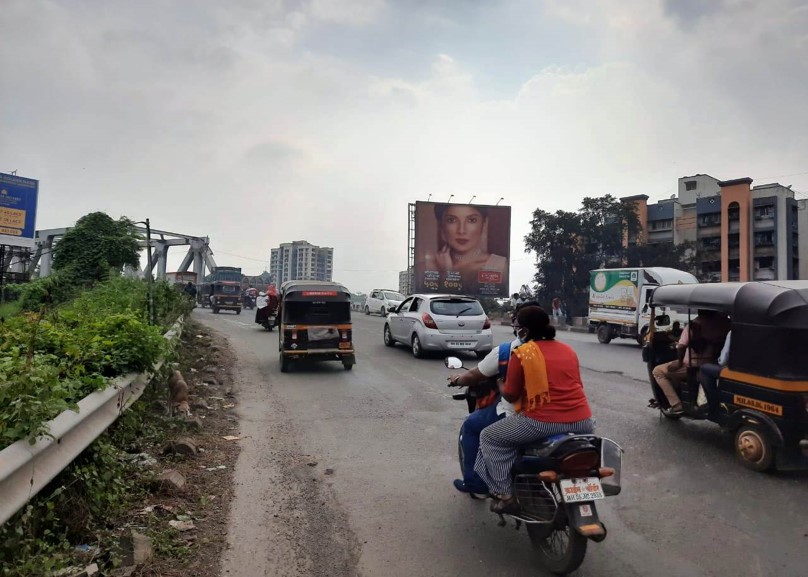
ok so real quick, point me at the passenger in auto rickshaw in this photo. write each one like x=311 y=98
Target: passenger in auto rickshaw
x=699 y=344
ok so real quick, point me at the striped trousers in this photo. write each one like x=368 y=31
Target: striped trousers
x=499 y=446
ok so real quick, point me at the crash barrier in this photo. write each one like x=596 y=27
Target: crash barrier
x=25 y=468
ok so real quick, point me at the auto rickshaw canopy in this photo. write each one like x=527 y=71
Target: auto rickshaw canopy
x=310 y=290
x=769 y=322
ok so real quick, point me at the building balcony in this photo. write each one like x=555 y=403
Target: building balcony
x=763 y=224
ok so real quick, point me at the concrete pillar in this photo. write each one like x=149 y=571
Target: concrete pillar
x=46 y=262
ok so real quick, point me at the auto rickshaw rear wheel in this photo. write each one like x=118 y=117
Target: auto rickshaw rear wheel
x=754 y=448
x=284 y=361
x=347 y=366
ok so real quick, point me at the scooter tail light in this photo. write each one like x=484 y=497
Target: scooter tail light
x=428 y=321
x=294 y=335
x=604 y=472
x=580 y=462
x=548 y=476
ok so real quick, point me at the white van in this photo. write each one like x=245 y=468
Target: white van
x=382 y=301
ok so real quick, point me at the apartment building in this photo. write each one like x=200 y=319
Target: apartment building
x=405 y=281
x=301 y=260
x=740 y=232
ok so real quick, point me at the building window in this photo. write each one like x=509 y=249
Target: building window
x=662 y=224
x=764 y=212
x=690 y=185
x=710 y=219
x=764 y=239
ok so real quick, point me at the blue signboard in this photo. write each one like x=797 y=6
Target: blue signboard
x=18 y=198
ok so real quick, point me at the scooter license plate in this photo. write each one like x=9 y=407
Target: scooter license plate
x=586 y=489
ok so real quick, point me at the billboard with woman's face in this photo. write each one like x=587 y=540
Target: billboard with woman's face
x=462 y=249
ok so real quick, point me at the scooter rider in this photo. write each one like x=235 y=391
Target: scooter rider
x=490 y=408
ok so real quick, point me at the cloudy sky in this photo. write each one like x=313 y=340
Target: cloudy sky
x=257 y=122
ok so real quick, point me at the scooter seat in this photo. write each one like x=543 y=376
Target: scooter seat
x=545 y=446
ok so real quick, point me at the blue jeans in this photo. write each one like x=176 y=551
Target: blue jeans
x=470 y=431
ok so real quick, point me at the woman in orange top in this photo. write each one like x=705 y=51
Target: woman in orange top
x=544 y=382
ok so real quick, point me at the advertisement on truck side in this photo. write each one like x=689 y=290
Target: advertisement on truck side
x=614 y=291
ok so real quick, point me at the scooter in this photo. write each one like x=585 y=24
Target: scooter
x=557 y=481
x=265 y=315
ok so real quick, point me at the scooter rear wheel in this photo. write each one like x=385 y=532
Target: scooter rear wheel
x=562 y=551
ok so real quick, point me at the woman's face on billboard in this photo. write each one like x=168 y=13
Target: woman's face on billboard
x=462 y=227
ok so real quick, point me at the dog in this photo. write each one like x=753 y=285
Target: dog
x=178 y=397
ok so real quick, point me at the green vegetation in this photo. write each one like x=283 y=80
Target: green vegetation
x=96 y=245
x=570 y=244
x=52 y=358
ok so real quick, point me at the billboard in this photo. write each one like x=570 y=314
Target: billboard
x=462 y=249
x=18 y=198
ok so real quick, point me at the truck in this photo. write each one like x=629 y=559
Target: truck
x=225 y=273
x=618 y=300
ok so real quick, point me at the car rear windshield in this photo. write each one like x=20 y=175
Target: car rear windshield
x=393 y=296
x=456 y=307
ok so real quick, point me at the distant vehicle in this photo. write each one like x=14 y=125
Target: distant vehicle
x=383 y=301
x=618 y=300
x=220 y=295
x=225 y=273
x=440 y=323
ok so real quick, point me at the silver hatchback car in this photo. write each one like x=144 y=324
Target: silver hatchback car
x=440 y=323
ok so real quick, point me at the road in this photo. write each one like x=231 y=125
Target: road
x=349 y=473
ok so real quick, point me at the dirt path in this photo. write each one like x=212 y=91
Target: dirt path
x=284 y=520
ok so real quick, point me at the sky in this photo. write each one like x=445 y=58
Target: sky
x=256 y=122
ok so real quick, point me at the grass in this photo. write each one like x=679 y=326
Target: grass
x=8 y=310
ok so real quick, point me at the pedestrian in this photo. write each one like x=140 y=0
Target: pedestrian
x=556 y=307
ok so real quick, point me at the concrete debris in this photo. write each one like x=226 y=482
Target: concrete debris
x=182 y=525
x=170 y=480
x=135 y=549
x=183 y=446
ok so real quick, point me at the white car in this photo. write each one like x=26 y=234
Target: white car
x=440 y=323
x=382 y=301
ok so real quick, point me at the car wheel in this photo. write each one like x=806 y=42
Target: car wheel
x=417 y=351
x=383 y=312
x=367 y=310
x=388 y=337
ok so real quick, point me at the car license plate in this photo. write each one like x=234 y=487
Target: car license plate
x=586 y=489
x=461 y=344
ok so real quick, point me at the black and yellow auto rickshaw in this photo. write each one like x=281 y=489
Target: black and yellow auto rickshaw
x=315 y=323
x=224 y=296
x=763 y=390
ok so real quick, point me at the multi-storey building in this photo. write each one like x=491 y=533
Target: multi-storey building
x=740 y=233
x=405 y=281
x=301 y=260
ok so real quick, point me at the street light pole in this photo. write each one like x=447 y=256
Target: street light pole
x=149 y=280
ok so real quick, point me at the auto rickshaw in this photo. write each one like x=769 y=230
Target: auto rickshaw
x=315 y=323
x=763 y=390
x=225 y=295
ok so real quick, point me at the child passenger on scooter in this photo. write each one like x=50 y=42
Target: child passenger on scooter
x=544 y=383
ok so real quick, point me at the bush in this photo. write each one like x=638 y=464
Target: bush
x=50 y=360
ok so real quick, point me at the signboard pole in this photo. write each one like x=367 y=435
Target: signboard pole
x=2 y=273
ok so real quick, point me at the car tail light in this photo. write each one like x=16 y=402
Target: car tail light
x=579 y=463
x=428 y=321
x=487 y=324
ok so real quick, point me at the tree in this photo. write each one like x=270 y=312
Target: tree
x=570 y=244
x=96 y=245
x=681 y=256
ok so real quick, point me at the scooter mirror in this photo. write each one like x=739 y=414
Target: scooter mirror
x=453 y=363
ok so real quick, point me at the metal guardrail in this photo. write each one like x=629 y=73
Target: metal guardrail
x=25 y=468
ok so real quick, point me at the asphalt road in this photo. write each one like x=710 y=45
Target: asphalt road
x=386 y=432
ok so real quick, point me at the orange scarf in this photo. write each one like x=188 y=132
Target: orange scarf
x=537 y=385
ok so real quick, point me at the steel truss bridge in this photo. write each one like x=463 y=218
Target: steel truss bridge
x=22 y=262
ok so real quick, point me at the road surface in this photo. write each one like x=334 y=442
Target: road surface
x=349 y=473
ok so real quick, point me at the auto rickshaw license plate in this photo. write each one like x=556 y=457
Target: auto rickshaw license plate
x=586 y=489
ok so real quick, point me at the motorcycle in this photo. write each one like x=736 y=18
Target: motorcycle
x=249 y=301
x=557 y=481
x=265 y=314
